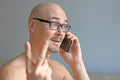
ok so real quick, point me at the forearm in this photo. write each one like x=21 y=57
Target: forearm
x=79 y=71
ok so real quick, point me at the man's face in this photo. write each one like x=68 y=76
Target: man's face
x=43 y=31
x=55 y=37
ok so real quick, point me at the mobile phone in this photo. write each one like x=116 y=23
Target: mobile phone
x=66 y=44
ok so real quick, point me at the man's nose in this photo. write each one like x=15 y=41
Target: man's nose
x=60 y=31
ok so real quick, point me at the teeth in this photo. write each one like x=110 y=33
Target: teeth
x=57 y=39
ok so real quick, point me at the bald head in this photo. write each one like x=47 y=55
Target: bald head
x=47 y=10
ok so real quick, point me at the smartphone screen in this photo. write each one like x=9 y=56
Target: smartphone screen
x=66 y=44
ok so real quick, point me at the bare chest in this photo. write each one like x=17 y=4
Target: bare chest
x=57 y=75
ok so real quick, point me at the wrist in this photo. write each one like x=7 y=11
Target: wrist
x=77 y=65
x=79 y=71
x=76 y=61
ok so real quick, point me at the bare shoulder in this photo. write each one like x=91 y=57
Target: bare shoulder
x=59 y=68
x=13 y=67
x=57 y=65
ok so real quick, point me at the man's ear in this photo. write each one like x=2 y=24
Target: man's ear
x=31 y=26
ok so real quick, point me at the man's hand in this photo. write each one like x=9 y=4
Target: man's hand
x=41 y=69
x=74 y=58
x=74 y=55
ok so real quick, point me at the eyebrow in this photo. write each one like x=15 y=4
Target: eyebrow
x=57 y=18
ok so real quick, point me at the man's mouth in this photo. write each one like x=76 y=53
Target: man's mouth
x=57 y=41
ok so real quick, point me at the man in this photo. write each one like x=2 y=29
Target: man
x=48 y=25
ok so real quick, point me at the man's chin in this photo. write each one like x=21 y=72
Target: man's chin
x=54 y=50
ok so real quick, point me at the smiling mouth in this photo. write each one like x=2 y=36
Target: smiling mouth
x=56 y=41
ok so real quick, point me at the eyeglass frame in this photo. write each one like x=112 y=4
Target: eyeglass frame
x=50 y=22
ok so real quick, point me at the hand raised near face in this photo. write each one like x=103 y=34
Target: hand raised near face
x=75 y=54
x=41 y=69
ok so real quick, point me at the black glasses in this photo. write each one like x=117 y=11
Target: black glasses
x=54 y=25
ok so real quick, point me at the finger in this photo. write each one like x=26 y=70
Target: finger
x=41 y=69
x=49 y=74
x=28 y=57
x=72 y=37
x=43 y=51
x=68 y=34
x=28 y=50
x=45 y=65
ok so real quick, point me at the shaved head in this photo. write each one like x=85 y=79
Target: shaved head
x=40 y=31
x=47 y=10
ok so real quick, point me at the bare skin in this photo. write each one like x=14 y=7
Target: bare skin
x=34 y=63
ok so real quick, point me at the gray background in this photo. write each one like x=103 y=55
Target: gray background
x=95 y=22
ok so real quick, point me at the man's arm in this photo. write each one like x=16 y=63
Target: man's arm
x=74 y=58
x=79 y=71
